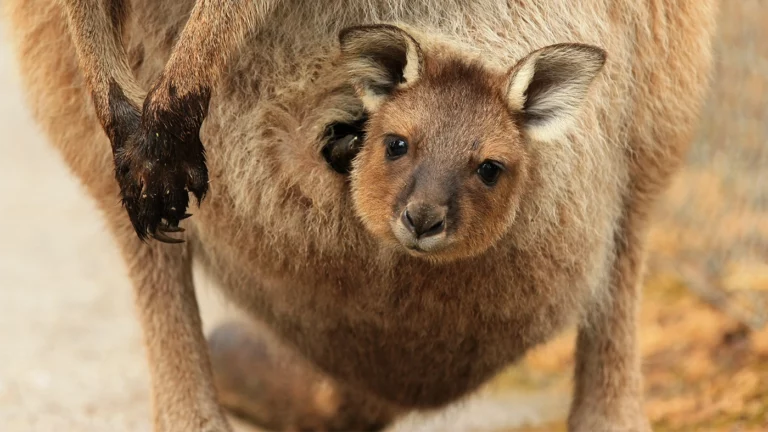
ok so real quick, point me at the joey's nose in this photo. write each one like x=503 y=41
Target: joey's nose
x=424 y=220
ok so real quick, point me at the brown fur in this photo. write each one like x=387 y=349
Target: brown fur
x=289 y=241
x=260 y=378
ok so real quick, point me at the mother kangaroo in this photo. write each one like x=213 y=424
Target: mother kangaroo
x=503 y=159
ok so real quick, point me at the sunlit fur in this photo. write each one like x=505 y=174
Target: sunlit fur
x=283 y=236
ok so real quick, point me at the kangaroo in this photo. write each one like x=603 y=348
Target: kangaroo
x=409 y=194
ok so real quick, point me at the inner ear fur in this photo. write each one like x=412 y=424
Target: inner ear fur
x=549 y=85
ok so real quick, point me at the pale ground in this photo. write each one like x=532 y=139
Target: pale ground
x=71 y=357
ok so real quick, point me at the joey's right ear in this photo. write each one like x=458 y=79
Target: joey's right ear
x=379 y=59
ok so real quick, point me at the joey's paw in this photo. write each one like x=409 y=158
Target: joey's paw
x=159 y=164
x=343 y=143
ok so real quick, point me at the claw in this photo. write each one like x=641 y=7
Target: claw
x=160 y=236
x=186 y=215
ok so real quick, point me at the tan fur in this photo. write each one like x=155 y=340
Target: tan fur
x=280 y=231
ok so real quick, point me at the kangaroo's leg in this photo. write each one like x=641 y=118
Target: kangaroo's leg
x=608 y=391
x=182 y=389
x=156 y=144
x=264 y=380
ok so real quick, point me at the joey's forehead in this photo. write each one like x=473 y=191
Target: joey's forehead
x=433 y=112
x=454 y=104
x=455 y=130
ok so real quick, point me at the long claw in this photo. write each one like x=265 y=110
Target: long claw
x=186 y=215
x=160 y=236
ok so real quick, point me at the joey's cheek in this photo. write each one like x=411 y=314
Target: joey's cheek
x=371 y=198
x=484 y=213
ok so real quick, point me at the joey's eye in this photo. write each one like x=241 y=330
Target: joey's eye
x=489 y=172
x=396 y=146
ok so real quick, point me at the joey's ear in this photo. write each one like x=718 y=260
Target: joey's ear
x=549 y=85
x=379 y=59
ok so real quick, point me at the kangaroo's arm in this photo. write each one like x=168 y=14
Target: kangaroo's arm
x=158 y=158
x=214 y=31
x=155 y=140
x=96 y=29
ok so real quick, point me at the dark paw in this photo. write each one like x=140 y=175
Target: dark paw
x=343 y=143
x=154 y=187
x=159 y=161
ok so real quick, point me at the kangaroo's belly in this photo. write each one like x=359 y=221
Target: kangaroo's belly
x=411 y=332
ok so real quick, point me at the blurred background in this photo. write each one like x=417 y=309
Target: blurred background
x=71 y=357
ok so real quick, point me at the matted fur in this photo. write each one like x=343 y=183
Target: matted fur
x=279 y=232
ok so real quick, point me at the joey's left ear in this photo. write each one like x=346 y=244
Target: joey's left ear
x=549 y=85
x=379 y=59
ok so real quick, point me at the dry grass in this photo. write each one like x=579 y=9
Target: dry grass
x=703 y=369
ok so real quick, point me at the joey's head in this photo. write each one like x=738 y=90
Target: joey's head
x=447 y=151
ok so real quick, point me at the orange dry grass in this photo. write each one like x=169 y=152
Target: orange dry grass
x=704 y=371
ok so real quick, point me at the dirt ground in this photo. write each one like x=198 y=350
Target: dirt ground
x=71 y=357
